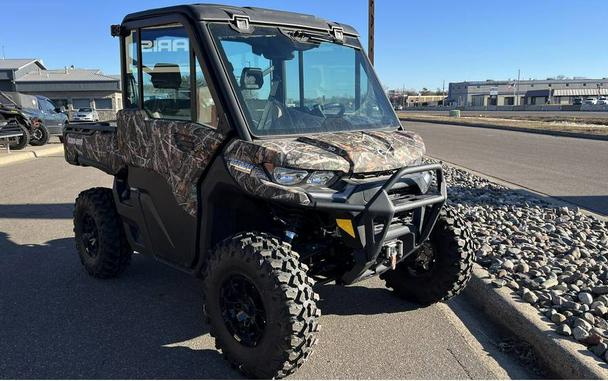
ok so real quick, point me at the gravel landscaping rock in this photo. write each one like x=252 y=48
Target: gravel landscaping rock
x=564 y=330
x=555 y=258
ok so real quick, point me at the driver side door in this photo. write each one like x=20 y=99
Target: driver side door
x=169 y=136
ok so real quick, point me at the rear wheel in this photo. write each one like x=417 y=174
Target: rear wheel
x=438 y=271
x=20 y=142
x=260 y=305
x=100 y=238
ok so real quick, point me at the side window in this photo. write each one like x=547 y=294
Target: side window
x=131 y=71
x=46 y=105
x=166 y=72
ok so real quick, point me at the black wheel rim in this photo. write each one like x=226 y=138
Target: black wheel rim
x=37 y=134
x=242 y=310
x=90 y=236
x=423 y=261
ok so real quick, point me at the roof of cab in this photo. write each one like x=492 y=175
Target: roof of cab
x=217 y=12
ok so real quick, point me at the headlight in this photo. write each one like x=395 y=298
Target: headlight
x=320 y=178
x=288 y=176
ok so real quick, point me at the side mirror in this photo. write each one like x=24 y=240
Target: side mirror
x=252 y=78
x=166 y=76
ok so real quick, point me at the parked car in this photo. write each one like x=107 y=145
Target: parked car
x=577 y=101
x=86 y=114
x=591 y=101
x=602 y=101
x=38 y=114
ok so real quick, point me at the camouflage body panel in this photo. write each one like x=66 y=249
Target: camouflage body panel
x=177 y=150
x=256 y=183
x=346 y=152
x=287 y=153
x=99 y=147
x=374 y=151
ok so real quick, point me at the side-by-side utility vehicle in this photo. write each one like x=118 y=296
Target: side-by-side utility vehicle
x=257 y=150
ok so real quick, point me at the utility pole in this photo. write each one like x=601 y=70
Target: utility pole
x=370 y=32
x=517 y=88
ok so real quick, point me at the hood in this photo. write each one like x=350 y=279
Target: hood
x=354 y=152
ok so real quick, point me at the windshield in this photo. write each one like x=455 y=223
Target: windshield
x=85 y=110
x=295 y=85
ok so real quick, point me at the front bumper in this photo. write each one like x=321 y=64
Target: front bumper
x=393 y=209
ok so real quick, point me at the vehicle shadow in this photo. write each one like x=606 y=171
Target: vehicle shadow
x=58 y=322
x=35 y=211
x=360 y=300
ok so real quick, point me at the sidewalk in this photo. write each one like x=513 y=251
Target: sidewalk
x=54 y=147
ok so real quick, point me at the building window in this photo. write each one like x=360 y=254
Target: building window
x=78 y=103
x=567 y=84
x=549 y=85
x=103 y=103
x=584 y=84
x=532 y=85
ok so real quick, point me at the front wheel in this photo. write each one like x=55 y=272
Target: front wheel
x=260 y=305
x=438 y=271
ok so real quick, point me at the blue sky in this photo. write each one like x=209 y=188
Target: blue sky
x=418 y=43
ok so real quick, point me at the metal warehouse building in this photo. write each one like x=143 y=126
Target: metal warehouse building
x=70 y=87
x=524 y=93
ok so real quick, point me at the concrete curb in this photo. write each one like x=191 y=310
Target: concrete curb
x=456 y=122
x=19 y=156
x=564 y=357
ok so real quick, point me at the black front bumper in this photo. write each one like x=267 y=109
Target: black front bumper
x=384 y=210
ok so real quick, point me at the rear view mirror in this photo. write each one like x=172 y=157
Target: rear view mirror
x=166 y=76
x=252 y=78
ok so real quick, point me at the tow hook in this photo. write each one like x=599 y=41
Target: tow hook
x=393 y=251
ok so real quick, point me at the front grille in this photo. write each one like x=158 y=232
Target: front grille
x=368 y=175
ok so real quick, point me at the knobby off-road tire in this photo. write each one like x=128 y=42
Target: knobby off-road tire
x=20 y=142
x=275 y=338
x=445 y=277
x=100 y=238
x=39 y=136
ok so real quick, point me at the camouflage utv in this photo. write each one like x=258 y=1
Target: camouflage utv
x=257 y=150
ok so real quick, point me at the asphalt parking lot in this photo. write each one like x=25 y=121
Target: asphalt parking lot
x=57 y=322
x=571 y=169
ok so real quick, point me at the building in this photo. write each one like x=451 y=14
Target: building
x=401 y=99
x=69 y=87
x=424 y=100
x=524 y=93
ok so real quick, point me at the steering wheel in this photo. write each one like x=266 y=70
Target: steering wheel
x=331 y=106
